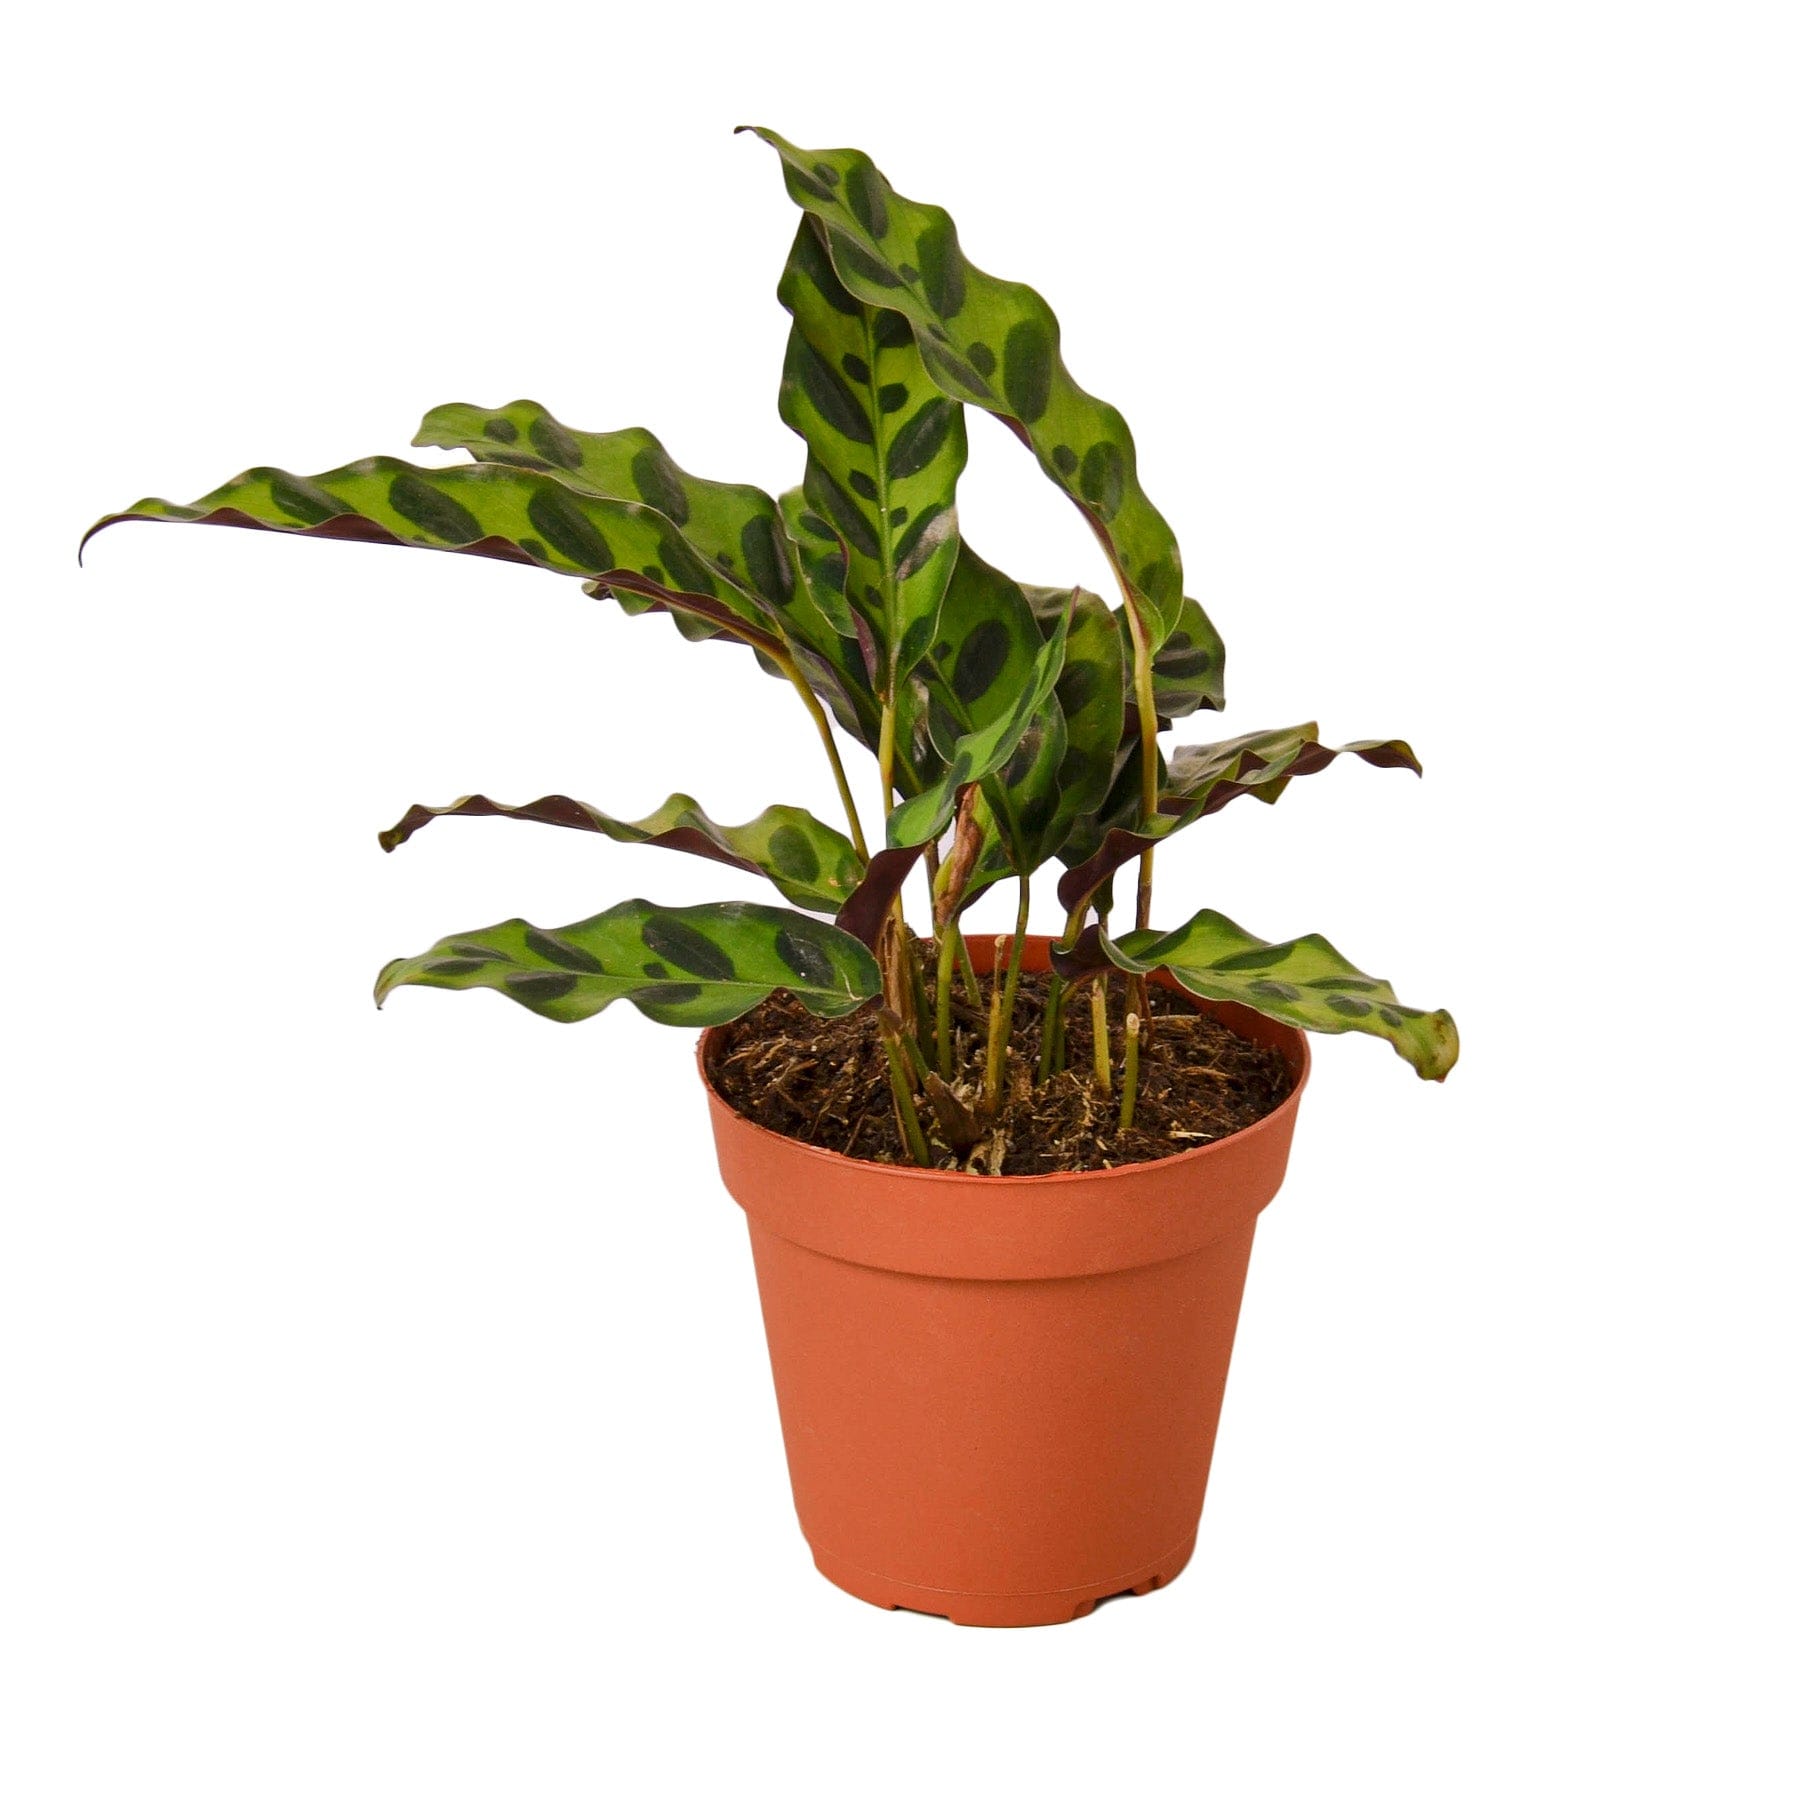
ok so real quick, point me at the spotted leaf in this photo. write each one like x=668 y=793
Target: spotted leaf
x=975 y=757
x=884 y=449
x=1201 y=778
x=1305 y=982
x=987 y=643
x=983 y=751
x=1091 y=696
x=733 y=529
x=680 y=965
x=839 y=661
x=997 y=345
x=814 y=866
x=1186 y=671
x=482 y=509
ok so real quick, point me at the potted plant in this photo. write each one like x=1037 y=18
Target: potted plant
x=1001 y=1193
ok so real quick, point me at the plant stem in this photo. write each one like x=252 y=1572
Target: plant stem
x=1050 y=1048
x=1144 y=683
x=949 y=943
x=966 y=965
x=1128 y=1101
x=907 y=1113
x=996 y=1039
x=886 y=757
x=1102 y=1044
x=1015 y=960
x=791 y=670
x=921 y=1012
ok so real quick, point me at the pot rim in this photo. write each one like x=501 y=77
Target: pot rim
x=1290 y=1038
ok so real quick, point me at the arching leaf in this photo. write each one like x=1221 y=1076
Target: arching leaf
x=680 y=965
x=1304 y=982
x=997 y=345
x=1201 y=778
x=813 y=865
x=481 y=509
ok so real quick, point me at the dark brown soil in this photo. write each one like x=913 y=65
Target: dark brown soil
x=825 y=1082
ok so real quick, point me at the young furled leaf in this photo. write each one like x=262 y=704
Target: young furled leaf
x=1305 y=982
x=814 y=866
x=993 y=344
x=884 y=450
x=680 y=965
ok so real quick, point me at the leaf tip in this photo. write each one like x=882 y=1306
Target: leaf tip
x=1445 y=1048
x=385 y=982
x=93 y=531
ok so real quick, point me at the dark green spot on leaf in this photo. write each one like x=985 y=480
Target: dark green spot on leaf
x=414 y=498
x=659 y=483
x=553 y=443
x=678 y=942
x=568 y=530
x=565 y=955
x=791 y=855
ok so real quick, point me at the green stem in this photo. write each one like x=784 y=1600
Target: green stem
x=791 y=670
x=1102 y=1043
x=1015 y=961
x=949 y=943
x=966 y=966
x=885 y=755
x=1128 y=1102
x=903 y=1100
x=921 y=1012
x=996 y=1039
x=1050 y=1048
x=1143 y=681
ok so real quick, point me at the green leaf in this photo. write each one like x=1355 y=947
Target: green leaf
x=1187 y=671
x=1305 y=982
x=988 y=640
x=986 y=644
x=1201 y=778
x=680 y=965
x=884 y=450
x=481 y=509
x=974 y=758
x=813 y=865
x=1091 y=695
x=734 y=529
x=982 y=752
x=824 y=565
x=993 y=344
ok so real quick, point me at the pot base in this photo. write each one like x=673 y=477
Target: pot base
x=1055 y=1608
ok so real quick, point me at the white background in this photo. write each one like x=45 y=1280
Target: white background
x=383 y=1404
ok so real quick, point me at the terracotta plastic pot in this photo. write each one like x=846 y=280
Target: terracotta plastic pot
x=999 y=1394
